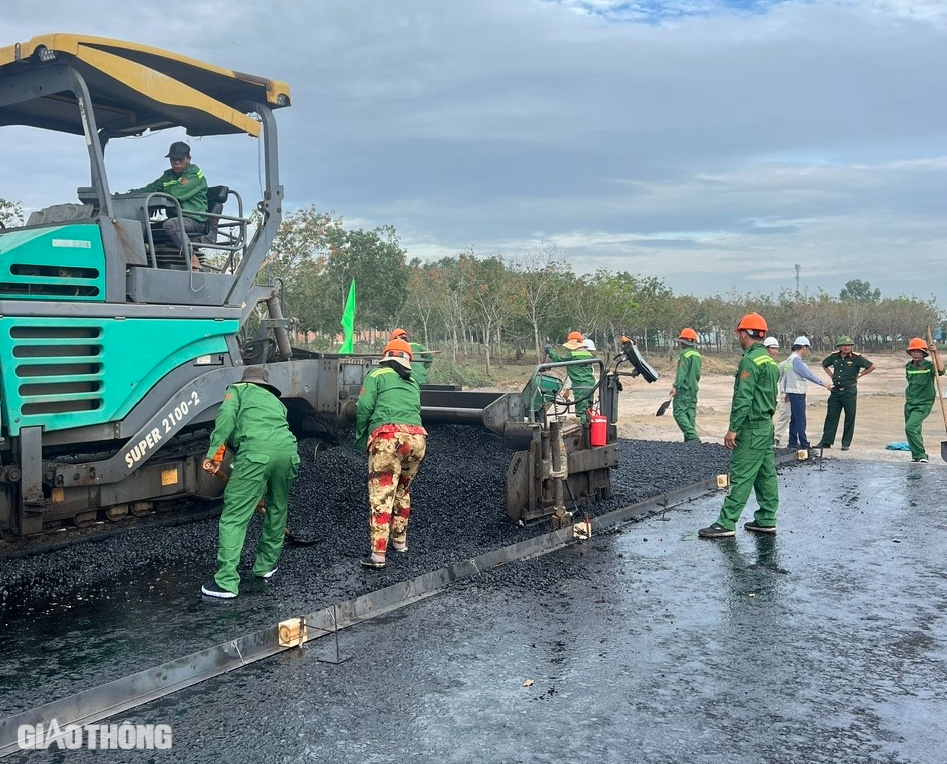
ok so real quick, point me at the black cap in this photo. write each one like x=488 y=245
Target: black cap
x=178 y=150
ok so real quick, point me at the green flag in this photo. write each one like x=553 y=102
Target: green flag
x=348 y=321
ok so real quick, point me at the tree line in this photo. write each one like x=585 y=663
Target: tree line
x=490 y=306
x=487 y=306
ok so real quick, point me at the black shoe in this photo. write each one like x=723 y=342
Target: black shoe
x=752 y=526
x=211 y=589
x=795 y=446
x=845 y=448
x=715 y=531
x=823 y=445
x=368 y=562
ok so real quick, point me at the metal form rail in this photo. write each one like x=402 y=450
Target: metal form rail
x=103 y=701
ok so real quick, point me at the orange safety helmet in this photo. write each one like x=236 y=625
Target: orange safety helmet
x=399 y=351
x=398 y=334
x=688 y=334
x=575 y=337
x=752 y=322
x=917 y=344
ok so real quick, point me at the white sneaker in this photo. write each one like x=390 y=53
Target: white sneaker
x=268 y=574
x=923 y=461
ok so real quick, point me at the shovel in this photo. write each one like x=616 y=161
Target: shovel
x=290 y=537
x=663 y=407
x=940 y=396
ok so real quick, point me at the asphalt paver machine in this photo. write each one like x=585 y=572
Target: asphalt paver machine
x=114 y=353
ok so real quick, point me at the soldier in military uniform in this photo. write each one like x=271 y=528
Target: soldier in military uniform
x=750 y=437
x=847 y=367
x=388 y=426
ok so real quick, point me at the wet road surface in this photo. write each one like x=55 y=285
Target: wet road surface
x=826 y=643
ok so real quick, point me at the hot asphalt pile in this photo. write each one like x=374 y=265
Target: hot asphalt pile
x=133 y=601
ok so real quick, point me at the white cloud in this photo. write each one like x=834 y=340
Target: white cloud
x=706 y=143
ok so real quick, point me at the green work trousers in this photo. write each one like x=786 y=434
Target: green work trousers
x=685 y=414
x=839 y=401
x=583 y=400
x=254 y=476
x=752 y=466
x=914 y=416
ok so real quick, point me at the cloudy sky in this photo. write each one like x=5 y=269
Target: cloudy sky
x=713 y=143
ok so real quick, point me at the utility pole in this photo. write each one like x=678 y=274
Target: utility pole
x=798 y=268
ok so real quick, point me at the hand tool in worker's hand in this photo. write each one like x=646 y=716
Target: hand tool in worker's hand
x=290 y=537
x=663 y=407
x=940 y=392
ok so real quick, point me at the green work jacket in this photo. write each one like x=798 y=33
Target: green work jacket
x=421 y=360
x=687 y=379
x=189 y=188
x=385 y=398
x=754 y=389
x=581 y=376
x=251 y=419
x=845 y=370
x=920 y=376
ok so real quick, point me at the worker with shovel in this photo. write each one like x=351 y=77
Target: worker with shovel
x=686 y=384
x=388 y=426
x=253 y=421
x=919 y=394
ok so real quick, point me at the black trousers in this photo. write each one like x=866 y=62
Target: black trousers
x=839 y=401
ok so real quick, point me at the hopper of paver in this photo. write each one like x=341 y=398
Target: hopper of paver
x=555 y=468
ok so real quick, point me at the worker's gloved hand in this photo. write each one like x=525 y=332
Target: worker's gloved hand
x=547 y=348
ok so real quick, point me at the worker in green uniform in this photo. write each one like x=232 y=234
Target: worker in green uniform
x=847 y=367
x=750 y=436
x=920 y=393
x=252 y=421
x=581 y=375
x=186 y=183
x=388 y=426
x=421 y=357
x=686 y=384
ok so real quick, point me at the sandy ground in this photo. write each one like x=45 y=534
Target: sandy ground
x=879 y=421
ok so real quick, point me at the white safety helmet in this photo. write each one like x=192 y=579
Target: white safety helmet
x=589 y=345
x=802 y=342
x=771 y=342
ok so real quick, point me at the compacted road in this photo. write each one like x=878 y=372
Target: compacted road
x=825 y=643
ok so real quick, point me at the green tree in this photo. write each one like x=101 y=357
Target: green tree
x=541 y=278
x=11 y=213
x=857 y=290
